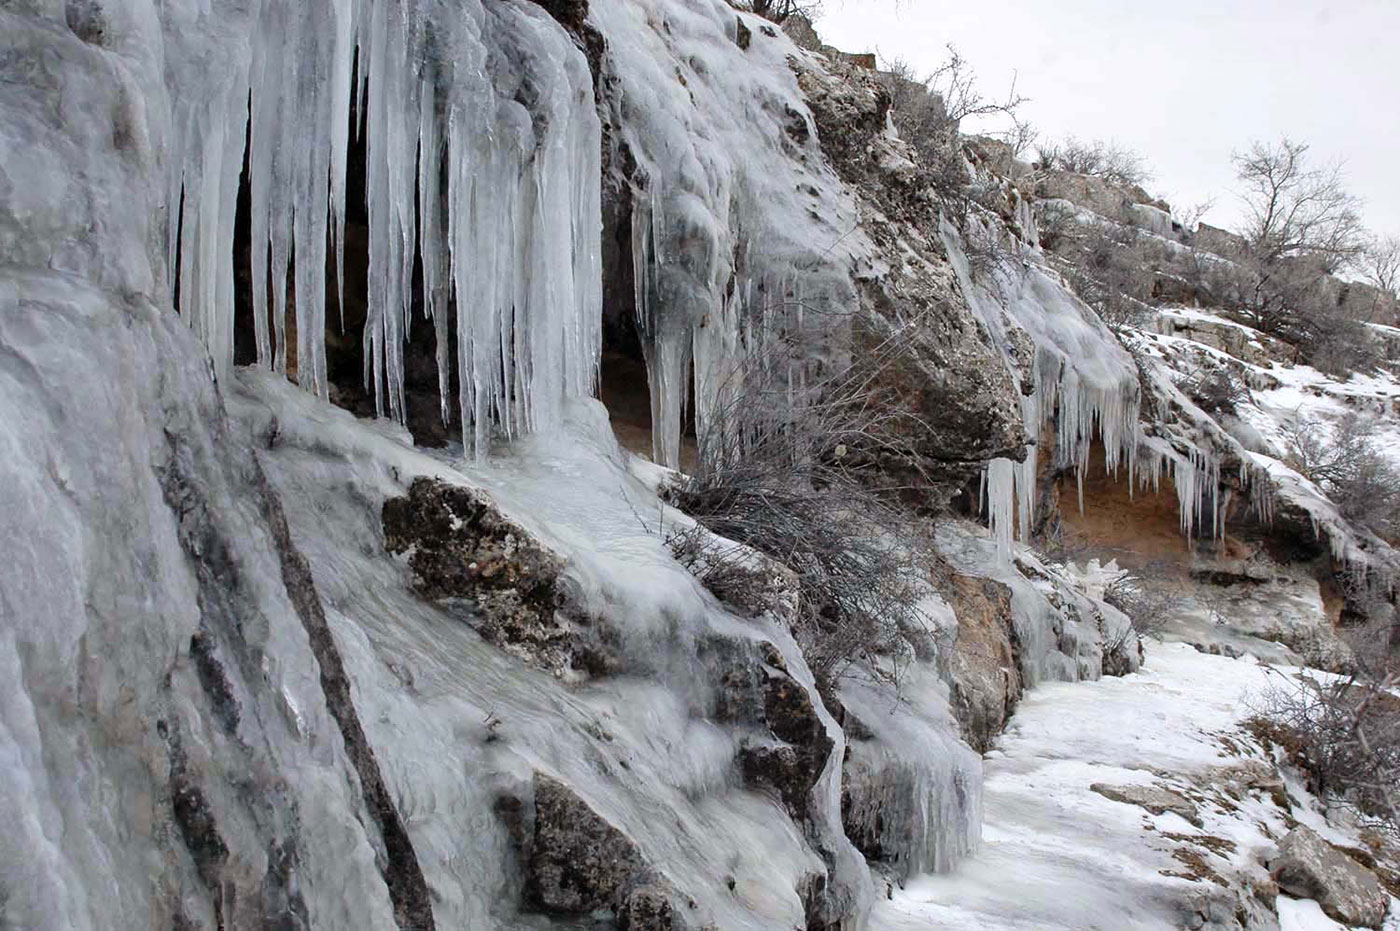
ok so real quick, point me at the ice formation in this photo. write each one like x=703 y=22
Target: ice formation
x=741 y=236
x=1085 y=386
x=479 y=115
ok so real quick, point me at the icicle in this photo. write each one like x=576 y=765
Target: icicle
x=999 y=479
x=513 y=241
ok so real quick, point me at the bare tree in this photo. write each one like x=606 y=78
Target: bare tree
x=1380 y=267
x=1296 y=210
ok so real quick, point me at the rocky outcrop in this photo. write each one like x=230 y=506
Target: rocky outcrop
x=952 y=381
x=1308 y=867
x=1155 y=799
x=794 y=762
x=985 y=667
x=465 y=555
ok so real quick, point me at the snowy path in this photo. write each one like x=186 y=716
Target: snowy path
x=1057 y=855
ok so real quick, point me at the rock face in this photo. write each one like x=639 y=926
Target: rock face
x=1308 y=867
x=952 y=379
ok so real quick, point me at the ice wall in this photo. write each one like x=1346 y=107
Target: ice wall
x=482 y=157
x=742 y=238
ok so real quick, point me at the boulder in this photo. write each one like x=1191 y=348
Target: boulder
x=465 y=555
x=1308 y=867
x=985 y=668
x=577 y=863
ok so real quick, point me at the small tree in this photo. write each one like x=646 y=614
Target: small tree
x=1296 y=211
x=1380 y=267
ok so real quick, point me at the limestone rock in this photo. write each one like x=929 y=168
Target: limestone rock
x=1308 y=867
x=463 y=553
x=986 y=677
x=576 y=862
x=952 y=380
x=1155 y=799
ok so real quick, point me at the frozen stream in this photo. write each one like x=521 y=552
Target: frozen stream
x=1057 y=855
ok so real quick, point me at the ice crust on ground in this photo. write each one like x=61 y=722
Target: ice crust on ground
x=1056 y=855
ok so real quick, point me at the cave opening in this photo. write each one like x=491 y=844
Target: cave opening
x=345 y=318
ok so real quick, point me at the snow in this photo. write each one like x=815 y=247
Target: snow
x=1304 y=915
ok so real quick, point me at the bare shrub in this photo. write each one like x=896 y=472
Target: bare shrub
x=1356 y=474
x=778 y=11
x=1106 y=160
x=787 y=473
x=1343 y=730
x=1344 y=734
x=929 y=112
x=1149 y=596
x=1215 y=389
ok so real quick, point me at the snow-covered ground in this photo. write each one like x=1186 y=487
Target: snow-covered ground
x=1058 y=855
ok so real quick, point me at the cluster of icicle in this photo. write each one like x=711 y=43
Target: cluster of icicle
x=1078 y=414
x=1084 y=386
x=483 y=159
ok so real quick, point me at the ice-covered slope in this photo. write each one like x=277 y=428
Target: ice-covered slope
x=1133 y=803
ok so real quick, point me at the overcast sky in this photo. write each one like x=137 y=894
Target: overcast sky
x=1184 y=82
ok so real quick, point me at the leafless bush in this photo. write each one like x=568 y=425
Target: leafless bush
x=1105 y=160
x=1149 y=596
x=1356 y=474
x=1344 y=734
x=1294 y=299
x=1215 y=389
x=929 y=112
x=1343 y=730
x=778 y=11
x=786 y=472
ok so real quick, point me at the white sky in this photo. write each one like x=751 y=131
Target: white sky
x=1184 y=83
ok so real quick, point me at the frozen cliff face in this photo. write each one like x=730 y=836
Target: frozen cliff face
x=235 y=688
